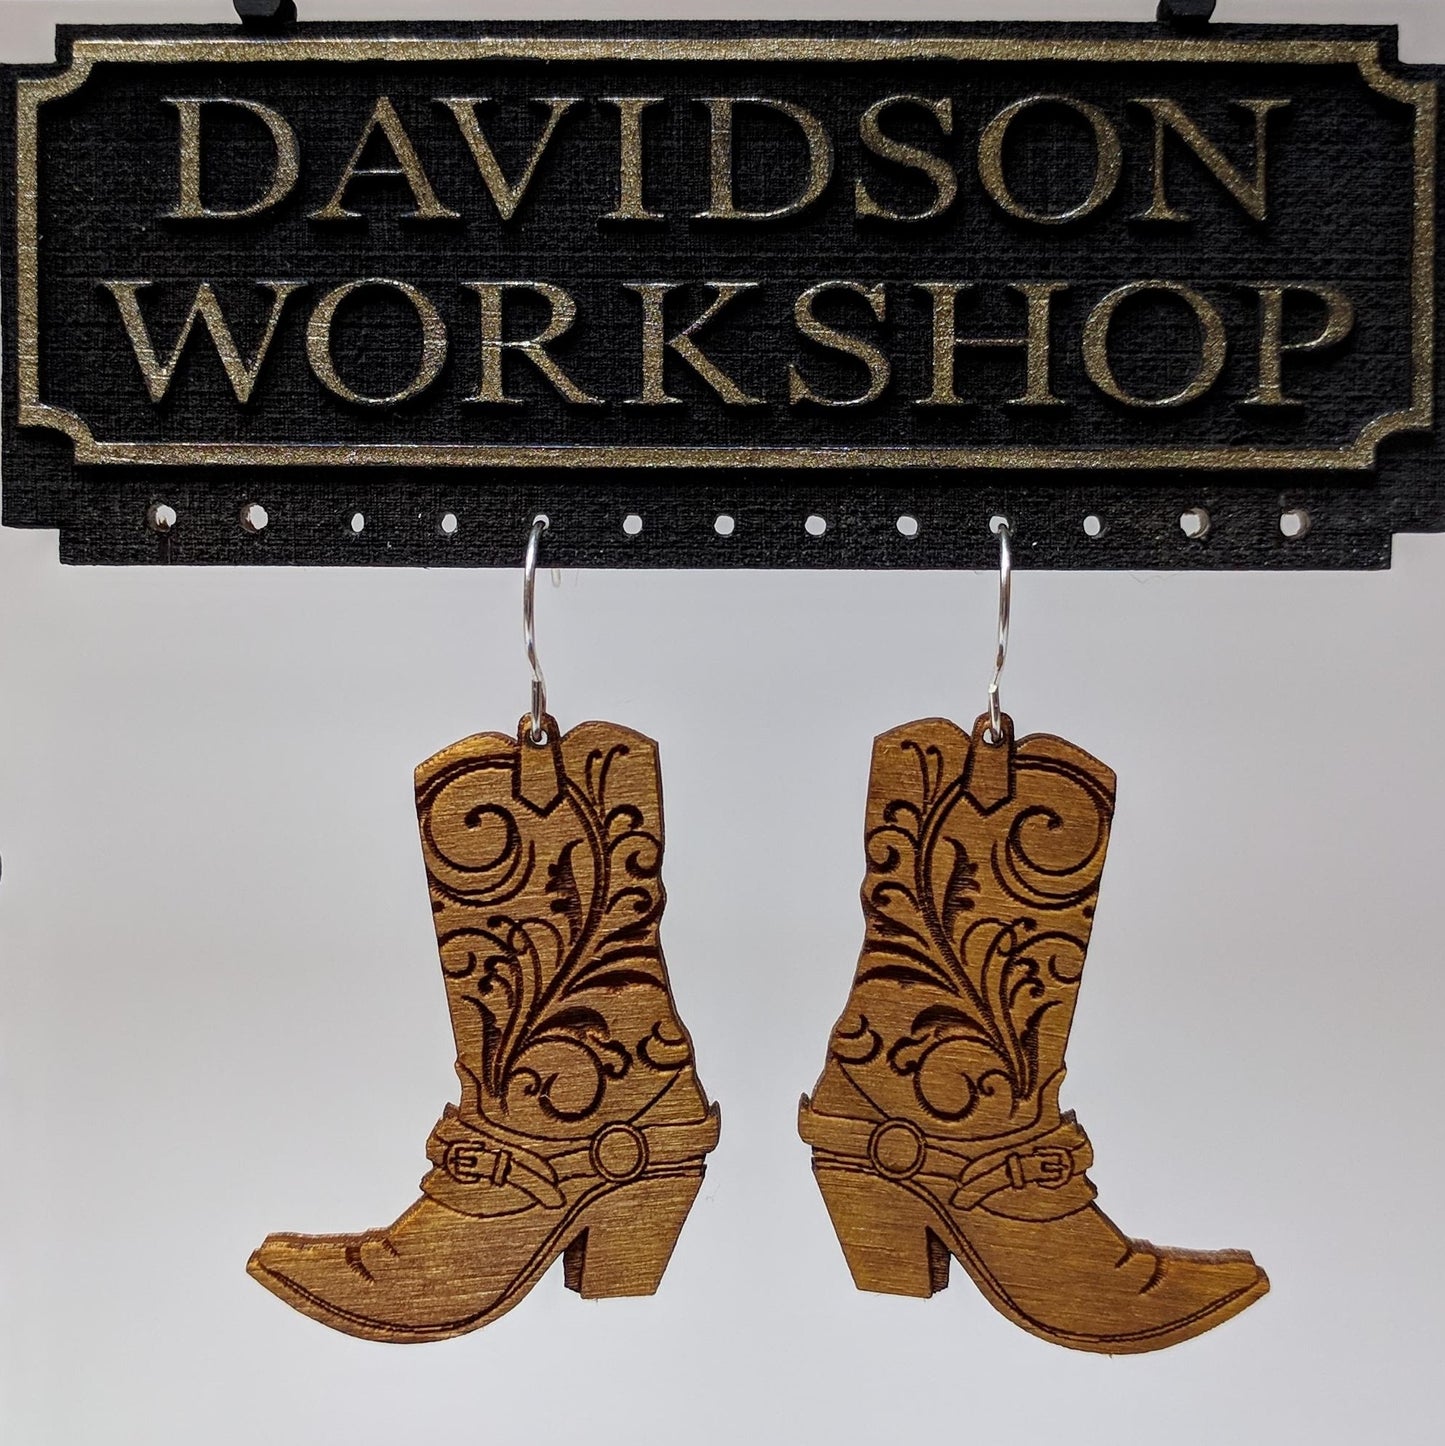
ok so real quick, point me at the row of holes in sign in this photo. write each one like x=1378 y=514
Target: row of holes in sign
x=1195 y=523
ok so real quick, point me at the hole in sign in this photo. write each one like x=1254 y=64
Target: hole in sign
x=1295 y=523
x=1195 y=523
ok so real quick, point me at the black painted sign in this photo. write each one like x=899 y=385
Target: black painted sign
x=374 y=277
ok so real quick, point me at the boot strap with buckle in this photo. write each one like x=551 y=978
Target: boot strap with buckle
x=476 y=1171
x=622 y=1151
x=469 y=1164
x=898 y=1150
x=1048 y=1164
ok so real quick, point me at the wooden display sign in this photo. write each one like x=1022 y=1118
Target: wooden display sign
x=371 y=277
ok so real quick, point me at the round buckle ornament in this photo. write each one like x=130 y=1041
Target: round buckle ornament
x=897 y=1148
x=619 y=1153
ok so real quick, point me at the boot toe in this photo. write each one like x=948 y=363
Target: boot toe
x=1232 y=1279
x=1192 y=1292
x=291 y=1265
x=428 y=1276
x=325 y=1277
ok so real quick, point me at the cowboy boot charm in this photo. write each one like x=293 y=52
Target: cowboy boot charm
x=582 y=1130
x=935 y=1126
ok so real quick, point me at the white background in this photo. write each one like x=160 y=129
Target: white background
x=222 y=1013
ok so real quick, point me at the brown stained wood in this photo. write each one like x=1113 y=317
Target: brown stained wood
x=935 y=1126
x=582 y=1129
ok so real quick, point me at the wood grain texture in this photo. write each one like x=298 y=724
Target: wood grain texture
x=935 y=1126
x=582 y=1129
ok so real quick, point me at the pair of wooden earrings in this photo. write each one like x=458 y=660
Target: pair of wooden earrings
x=583 y=1129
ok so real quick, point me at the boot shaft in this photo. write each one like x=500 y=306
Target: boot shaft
x=984 y=864
x=544 y=864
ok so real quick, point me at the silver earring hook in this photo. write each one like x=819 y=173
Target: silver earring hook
x=1005 y=599
x=529 y=626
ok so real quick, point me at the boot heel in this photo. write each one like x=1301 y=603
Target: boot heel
x=885 y=1235
x=628 y=1238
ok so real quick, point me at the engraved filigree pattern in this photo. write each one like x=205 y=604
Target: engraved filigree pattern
x=936 y=1130
x=582 y=1131
x=977 y=922
x=547 y=926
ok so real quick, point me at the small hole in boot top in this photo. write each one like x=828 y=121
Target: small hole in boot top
x=254 y=518
x=161 y=517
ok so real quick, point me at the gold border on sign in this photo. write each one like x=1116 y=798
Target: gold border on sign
x=1364 y=55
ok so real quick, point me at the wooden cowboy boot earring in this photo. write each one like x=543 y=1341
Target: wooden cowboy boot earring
x=582 y=1130
x=935 y=1125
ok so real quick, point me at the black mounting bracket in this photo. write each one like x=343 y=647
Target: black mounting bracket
x=1186 y=14
x=269 y=14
